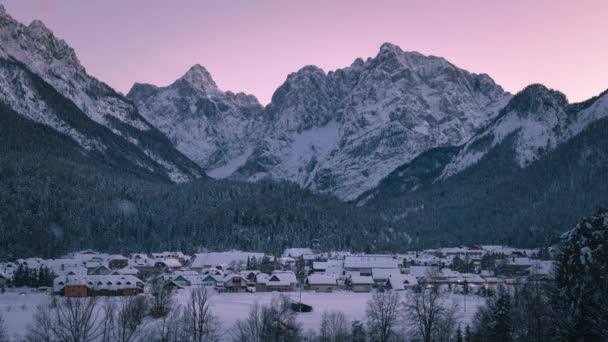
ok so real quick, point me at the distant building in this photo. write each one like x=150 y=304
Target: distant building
x=321 y=283
x=364 y=264
x=117 y=261
x=98 y=285
x=297 y=252
x=361 y=283
x=400 y=282
x=282 y=281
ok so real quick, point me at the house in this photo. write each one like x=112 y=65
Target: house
x=321 y=283
x=220 y=260
x=381 y=275
x=206 y=280
x=128 y=271
x=172 y=264
x=282 y=281
x=117 y=261
x=400 y=282
x=233 y=282
x=297 y=252
x=364 y=264
x=331 y=266
x=181 y=281
x=250 y=275
x=361 y=283
x=98 y=285
x=261 y=279
x=99 y=270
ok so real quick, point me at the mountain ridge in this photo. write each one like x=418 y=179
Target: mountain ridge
x=318 y=123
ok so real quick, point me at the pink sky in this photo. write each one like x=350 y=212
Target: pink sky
x=251 y=45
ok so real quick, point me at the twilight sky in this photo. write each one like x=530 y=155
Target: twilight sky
x=251 y=45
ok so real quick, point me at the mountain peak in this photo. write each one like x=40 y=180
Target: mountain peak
x=4 y=15
x=37 y=28
x=535 y=97
x=389 y=47
x=199 y=77
x=37 y=24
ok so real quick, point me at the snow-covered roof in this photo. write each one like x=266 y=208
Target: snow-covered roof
x=297 y=252
x=332 y=266
x=203 y=260
x=370 y=261
x=129 y=271
x=172 y=262
x=321 y=279
x=361 y=280
x=246 y=273
x=422 y=271
x=98 y=282
x=384 y=273
x=232 y=276
x=401 y=281
x=281 y=278
x=262 y=278
x=319 y=265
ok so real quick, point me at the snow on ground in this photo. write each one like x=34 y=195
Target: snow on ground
x=18 y=306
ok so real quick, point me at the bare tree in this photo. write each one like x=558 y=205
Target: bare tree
x=125 y=318
x=3 y=331
x=71 y=320
x=41 y=328
x=431 y=319
x=250 y=329
x=169 y=328
x=334 y=327
x=199 y=322
x=382 y=312
x=162 y=298
x=273 y=323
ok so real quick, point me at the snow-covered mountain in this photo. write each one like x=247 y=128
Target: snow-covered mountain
x=339 y=132
x=344 y=131
x=35 y=64
x=539 y=166
x=209 y=126
x=538 y=119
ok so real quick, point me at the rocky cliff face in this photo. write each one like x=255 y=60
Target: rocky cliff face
x=538 y=120
x=211 y=127
x=339 y=132
x=342 y=132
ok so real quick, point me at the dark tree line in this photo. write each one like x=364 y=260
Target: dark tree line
x=571 y=307
x=33 y=277
x=56 y=198
x=496 y=201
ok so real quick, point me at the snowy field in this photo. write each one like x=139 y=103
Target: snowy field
x=17 y=307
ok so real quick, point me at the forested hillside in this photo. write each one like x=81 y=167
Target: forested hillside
x=496 y=200
x=54 y=198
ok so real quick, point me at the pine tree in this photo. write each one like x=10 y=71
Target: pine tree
x=580 y=291
x=459 y=334
x=467 y=334
x=502 y=329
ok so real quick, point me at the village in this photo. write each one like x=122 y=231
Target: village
x=469 y=270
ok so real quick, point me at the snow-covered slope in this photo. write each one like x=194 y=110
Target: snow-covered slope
x=211 y=127
x=342 y=132
x=539 y=119
x=34 y=49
